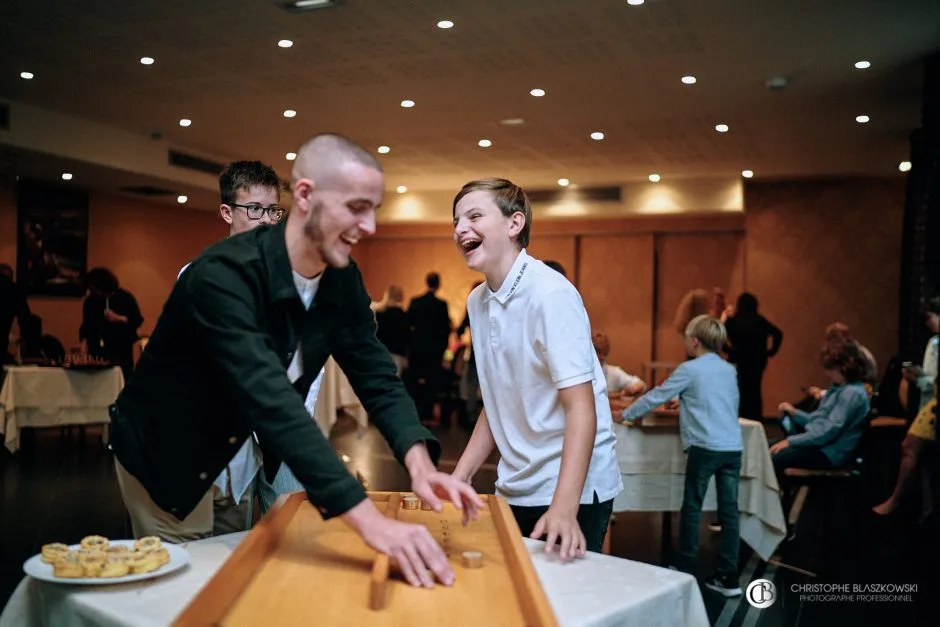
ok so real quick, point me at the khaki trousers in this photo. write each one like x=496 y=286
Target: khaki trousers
x=149 y=520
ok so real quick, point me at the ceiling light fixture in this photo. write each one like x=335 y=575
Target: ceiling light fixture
x=484 y=143
x=655 y=178
x=635 y=3
x=747 y=174
x=384 y=150
x=289 y=113
x=904 y=166
x=290 y=156
x=307 y=5
x=721 y=128
x=407 y=104
x=862 y=119
x=185 y=122
x=445 y=24
x=512 y=122
x=285 y=43
x=146 y=60
x=66 y=176
x=564 y=182
x=26 y=75
x=597 y=136
x=863 y=65
x=538 y=93
x=401 y=189
x=689 y=80
x=181 y=199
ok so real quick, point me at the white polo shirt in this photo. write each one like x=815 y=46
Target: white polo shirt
x=532 y=338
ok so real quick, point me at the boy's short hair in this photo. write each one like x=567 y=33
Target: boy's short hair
x=244 y=175
x=708 y=331
x=601 y=344
x=508 y=196
x=933 y=305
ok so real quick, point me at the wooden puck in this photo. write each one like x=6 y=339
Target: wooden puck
x=426 y=506
x=472 y=559
x=409 y=502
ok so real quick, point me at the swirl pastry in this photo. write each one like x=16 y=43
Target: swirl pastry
x=68 y=568
x=51 y=553
x=95 y=542
x=147 y=544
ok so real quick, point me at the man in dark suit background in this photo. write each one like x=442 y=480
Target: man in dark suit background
x=430 y=328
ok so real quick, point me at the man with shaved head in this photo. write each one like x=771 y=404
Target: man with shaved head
x=272 y=301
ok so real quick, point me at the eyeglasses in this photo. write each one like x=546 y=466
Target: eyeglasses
x=255 y=211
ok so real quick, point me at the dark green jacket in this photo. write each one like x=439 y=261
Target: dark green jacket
x=214 y=371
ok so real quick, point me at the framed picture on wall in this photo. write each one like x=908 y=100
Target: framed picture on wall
x=52 y=240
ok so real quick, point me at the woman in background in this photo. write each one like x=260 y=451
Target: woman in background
x=110 y=319
x=695 y=303
x=748 y=336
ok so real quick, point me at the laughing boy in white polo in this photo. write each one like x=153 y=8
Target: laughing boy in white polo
x=545 y=401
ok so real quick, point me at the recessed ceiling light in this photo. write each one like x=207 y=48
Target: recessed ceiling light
x=146 y=60
x=538 y=93
x=597 y=136
x=863 y=65
x=721 y=128
x=26 y=75
x=185 y=122
x=384 y=150
x=290 y=156
x=305 y=5
x=512 y=122
x=66 y=176
x=904 y=166
x=747 y=174
x=285 y=43
x=445 y=24
x=689 y=80
x=635 y=3
x=563 y=182
x=181 y=199
x=655 y=178
x=289 y=113
x=407 y=103
x=401 y=189
x=862 y=119
x=484 y=143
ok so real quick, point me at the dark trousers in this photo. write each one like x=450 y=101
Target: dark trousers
x=700 y=466
x=796 y=457
x=750 y=378
x=592 y=518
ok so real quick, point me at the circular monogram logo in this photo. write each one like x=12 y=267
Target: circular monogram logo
x=761 y=593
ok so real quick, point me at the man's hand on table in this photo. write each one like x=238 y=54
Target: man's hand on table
x=412 y=546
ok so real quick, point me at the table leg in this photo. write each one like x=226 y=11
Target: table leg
x=665 y=546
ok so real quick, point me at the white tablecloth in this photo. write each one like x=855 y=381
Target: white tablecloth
x=336 y=394
x=34 y=396
x=598 y=591
x=652 y=465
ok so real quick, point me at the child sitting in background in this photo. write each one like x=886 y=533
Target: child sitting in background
x=707 y=388
x=619 y=383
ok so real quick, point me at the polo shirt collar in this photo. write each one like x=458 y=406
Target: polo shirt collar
x=513 y=279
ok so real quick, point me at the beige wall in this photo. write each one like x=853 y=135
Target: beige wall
x=818 y=252
x=812 y=252
x=144 y=244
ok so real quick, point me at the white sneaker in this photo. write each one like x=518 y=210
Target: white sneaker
x=715 y=527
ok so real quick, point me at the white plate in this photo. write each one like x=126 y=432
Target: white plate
x=35 y=567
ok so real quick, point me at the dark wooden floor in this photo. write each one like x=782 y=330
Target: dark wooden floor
x=61 y=488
